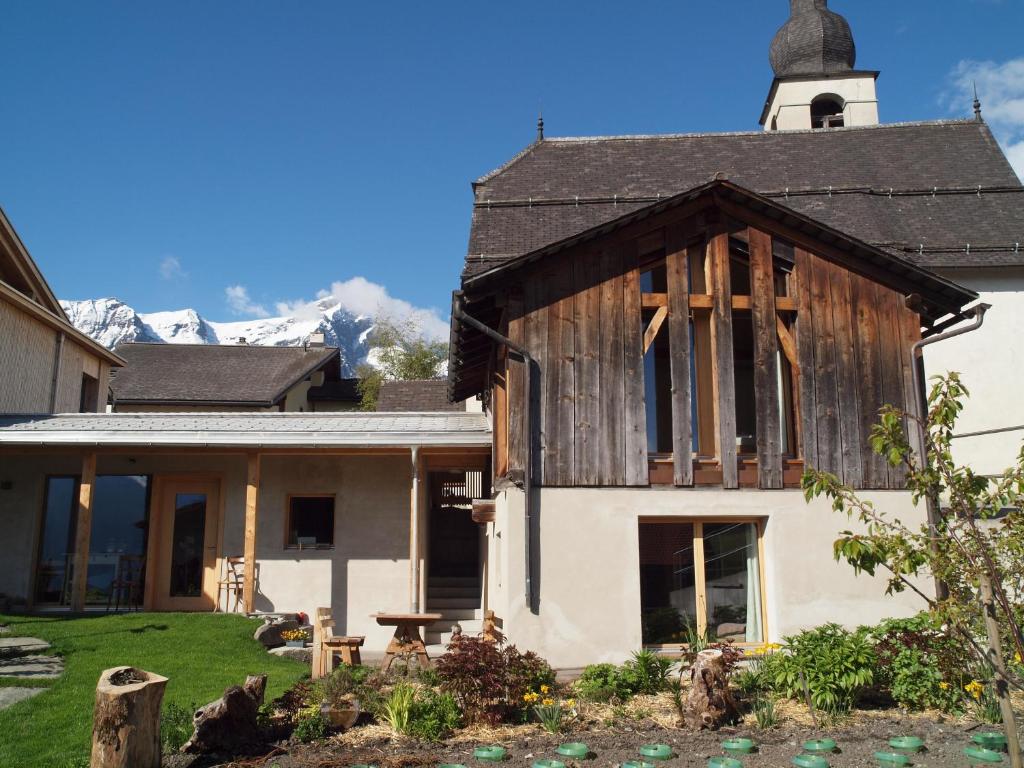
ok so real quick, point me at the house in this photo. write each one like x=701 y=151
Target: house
x=416 y=395
x=231 y=378
x=48 y=366
x=667 y=330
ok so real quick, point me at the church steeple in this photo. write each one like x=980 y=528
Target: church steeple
x=816 y=86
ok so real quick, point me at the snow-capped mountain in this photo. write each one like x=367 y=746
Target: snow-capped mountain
x=111 y=322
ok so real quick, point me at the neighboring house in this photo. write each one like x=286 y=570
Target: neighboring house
x=210 y=377
x=425 y=395
x=705 y=316
x=46 y=364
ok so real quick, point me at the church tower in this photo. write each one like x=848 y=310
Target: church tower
x=816 y=85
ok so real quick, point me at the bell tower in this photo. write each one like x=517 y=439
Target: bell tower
x=816 y=85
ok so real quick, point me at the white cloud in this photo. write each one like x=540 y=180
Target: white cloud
x=1001 y=91
x=362 y=297
x=170 y=269
x=240 y=304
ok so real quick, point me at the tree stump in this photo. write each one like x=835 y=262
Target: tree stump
x=709 y=703
x=229 y=724
x=126 y=719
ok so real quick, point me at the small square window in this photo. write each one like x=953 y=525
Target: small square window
x=310 y=522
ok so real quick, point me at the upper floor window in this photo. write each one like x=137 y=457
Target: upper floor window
x=827 y=112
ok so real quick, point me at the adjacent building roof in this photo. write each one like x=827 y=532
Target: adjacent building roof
x=210 y=374
x=940 y=193
x=337 y=391
x=417 y=395
x=248 y=430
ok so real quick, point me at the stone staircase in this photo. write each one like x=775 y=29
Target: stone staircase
x=458 y=600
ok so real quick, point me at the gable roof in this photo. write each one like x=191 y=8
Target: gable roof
x=211 y=374
x=423 y=395
x=940 y=193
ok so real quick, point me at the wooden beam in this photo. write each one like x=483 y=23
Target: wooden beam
x=788 y=345
x=613 y=389
x=677 y=263
x=722 y=365
x=700 y=579
x=655 y=325
x=706 y=301
x=804 y=386
x=587 y=371
x=766 y=360
x=252 y=492
x=83 y=531
x=635 y=426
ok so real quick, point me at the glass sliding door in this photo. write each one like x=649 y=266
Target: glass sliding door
x=187 y=532
x=700 y=576
x=56 y=541
x=117 y=544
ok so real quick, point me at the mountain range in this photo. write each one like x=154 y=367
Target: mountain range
x=111 y=322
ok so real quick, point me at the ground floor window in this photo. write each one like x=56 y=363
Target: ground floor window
x=700 y=577
x=310 y=522
x=117 y=540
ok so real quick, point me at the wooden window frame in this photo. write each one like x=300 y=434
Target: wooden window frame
x=288 y=521
x=700 y=587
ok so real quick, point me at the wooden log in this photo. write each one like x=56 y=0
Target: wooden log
x=126 y=719
x=83 y=532
x=229 y=724
x=252 y=495
x=709 y=703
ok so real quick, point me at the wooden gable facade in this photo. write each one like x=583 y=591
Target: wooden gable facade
x=705 y=344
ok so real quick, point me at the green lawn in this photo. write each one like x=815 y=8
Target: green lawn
x=201 y=654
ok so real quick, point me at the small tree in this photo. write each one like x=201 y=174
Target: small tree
x=401 y=353
x=971 y=544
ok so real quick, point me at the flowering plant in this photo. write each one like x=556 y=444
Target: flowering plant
x=294 y=635
x=551 y=712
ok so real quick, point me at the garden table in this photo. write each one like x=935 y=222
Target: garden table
x=407 y=639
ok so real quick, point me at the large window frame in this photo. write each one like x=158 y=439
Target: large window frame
x=700 y=581
x=319 y=546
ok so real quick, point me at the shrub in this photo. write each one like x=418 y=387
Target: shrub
x=651 y=671
x=345 y=682
x=176 y=726
x=397 y=709
x=764 y=712
x=919 y=665
x=310 y=724
x=489 y=680
x=645 y=673
x=836 y=663
x=434 y=715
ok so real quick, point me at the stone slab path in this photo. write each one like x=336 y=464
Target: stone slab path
x=21 y=658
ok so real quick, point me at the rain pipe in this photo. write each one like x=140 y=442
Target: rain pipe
x=459 y=314
x=921 y=400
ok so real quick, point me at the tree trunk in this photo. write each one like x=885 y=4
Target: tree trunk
x=709 y=703
x=995 y=658
x=126 y=719
x=229 y=724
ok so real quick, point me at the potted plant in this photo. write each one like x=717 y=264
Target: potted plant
x=295 y=638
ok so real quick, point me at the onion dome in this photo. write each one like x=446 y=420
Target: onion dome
x=815 y=41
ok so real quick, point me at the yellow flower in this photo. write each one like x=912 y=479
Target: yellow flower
x=975 y=689
x=548 y=702
x=1016 y=657
x=545 y=688
x=944 y=685
x=570 y=703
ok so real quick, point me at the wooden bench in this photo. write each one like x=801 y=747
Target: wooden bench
x=326 y=645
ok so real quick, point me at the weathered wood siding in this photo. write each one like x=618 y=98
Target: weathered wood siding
x=580 y=318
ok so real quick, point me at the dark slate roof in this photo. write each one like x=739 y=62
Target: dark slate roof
x=423 y=395
x=213 y=374
x=814 y=41
x=340 y=391
x=923 y=190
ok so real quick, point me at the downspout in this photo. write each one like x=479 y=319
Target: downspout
x=921 y=400
x=460 y=315
x=414 y=531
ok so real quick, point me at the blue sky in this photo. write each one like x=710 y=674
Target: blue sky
x=163 y=153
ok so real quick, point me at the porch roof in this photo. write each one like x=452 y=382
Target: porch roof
x=249 y=430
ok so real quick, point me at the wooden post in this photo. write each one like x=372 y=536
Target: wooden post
x=252 y=492
x=83 y=531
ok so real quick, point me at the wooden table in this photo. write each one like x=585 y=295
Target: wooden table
x=407 y=640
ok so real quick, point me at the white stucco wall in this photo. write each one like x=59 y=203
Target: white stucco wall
x=989 y=361
x=589 y=565
x=791 y=107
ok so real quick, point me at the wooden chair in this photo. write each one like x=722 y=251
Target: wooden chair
x=326 y=644
x=231 y=583
x=127 y=583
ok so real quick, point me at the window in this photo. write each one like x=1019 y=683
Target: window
x=88 y=400
x=120 y=518
x=826 y=112
x=310 y=522
x=702 y=577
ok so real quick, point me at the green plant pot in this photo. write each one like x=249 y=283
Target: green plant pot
x=575 y=749
x=907 y=744
x=887 y=759
x=548 y=764
x=724 y=762
x=982 y=756
x=818 y=746
x=656 y=751
x=810 y=761
x=993 y=740
x=739 y=746
x=491 y=754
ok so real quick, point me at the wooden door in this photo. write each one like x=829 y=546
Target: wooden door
x=185 y=571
